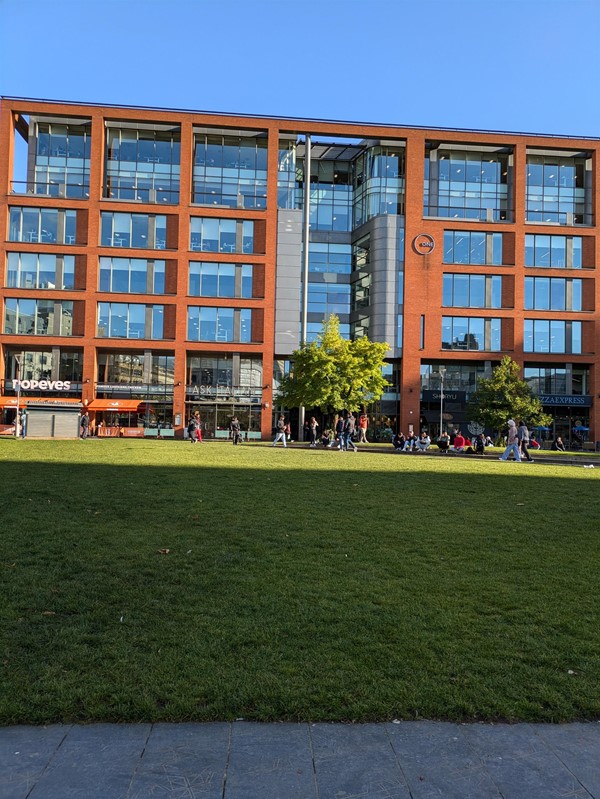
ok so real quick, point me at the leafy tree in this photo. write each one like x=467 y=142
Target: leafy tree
x=332 y=373
x=503 y=396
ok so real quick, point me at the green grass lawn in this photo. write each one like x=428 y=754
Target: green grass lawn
x=298 y=584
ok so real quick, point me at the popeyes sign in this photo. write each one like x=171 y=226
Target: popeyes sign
x=42 y=385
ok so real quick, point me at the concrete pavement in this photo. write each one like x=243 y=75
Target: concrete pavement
x=243 y=760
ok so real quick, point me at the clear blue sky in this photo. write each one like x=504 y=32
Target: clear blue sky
x=515 y=65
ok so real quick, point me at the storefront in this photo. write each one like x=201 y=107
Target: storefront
x=52 y=408
x=218 y=405
x=570 y=418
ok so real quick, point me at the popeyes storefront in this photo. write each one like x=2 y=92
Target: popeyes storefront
x=51 y=410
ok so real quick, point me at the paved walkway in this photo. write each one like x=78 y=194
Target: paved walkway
x=242 y=760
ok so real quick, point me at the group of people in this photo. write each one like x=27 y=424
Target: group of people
x=446 y=442
x=340 y=436
x=517 y=442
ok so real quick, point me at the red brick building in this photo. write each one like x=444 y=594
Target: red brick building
x=154 y=263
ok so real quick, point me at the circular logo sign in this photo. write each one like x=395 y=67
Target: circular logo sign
x=423 y=244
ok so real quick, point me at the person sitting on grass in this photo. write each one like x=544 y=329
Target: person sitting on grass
x=398 y=441
x=411 y=442
x=443 y=442
x=459 y=442
x=557 y=445
x=423 y=443
x=480 y=444
x=533 y=442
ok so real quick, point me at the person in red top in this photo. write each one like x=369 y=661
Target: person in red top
x=459 y=442
x=363 y=424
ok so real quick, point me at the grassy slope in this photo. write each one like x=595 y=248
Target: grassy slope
x=299 y=585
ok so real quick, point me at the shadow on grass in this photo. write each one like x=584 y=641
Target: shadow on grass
x=315 y=588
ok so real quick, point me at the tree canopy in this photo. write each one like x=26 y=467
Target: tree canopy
x=503 y=396
x=332 y=373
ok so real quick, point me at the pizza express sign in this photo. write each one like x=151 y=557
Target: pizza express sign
x=42 y=385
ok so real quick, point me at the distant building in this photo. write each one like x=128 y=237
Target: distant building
x=153 y=263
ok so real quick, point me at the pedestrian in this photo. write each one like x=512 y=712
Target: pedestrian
x=339 y=432
x=443 y=442
x=512 y=443
x=235 y=429
x=23 y=424
x=192 y=429
x=159 y=427
x=84 y=424
x=523 y=436
x=280 y=435
x=363 y=424
x=349 y=428
x=313 y=429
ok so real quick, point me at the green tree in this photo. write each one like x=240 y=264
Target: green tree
x=332 y=373
x=503 y=396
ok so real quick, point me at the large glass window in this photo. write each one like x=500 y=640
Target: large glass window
x=330 y=193
x=38 y=317
x=556 y=189
x=31 y=270
x=472 y=247
x=335 y=258
x=219 y=324
x=134 y=230
x=379 y=182
x=472 y=291
x=231 y=170
x=132 y=275
x=471 y=333
x=552 y=335
x=43 y=225
x=127 y=320
x=62 y=160
x=329 y=298
x=553 y=294
x=210 y=234
x=467 y=184
x=220 y=280
x=143 y=165
x=556 y=252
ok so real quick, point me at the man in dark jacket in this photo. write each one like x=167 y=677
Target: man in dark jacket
x=234 y=429
x=349 y=428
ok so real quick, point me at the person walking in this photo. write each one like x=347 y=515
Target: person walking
x=23 y=419
x=339 y=432
x=84 y=425
x=523 y=436
x=349 y=428
x=192 y=429
x=280 y=436
x=363 y=425
x=512 y=443
x=313 y=429
x=235 y=430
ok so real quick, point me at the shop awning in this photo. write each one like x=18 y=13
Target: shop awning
x=114 y=405
x=11 y=402
x=44 y=401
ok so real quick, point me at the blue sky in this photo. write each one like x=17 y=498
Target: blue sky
x=514 y=65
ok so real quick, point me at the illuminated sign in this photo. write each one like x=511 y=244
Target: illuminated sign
x=42 y=385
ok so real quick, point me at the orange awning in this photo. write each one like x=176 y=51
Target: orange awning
x=113 y=405
x=11 y=402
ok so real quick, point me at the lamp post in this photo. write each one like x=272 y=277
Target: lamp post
x=442 y=373
x=18 y=371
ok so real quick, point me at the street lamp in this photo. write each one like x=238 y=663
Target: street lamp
x=18 y=372
x=442 y=373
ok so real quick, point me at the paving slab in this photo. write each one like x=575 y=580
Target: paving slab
x=25 y=753
x=93 y=762
x=183 y=760
x=353 y=761
x=521 y=764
